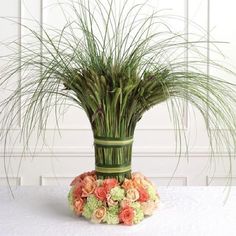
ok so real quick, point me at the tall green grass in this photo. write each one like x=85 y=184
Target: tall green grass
x=116 y=69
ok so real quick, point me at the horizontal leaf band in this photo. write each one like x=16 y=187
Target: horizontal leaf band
x=112 y=142
x=113 y=169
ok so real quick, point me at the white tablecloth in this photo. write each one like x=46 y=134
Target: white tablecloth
x=184 y=211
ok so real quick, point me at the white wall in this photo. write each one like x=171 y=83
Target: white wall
x=154 y=155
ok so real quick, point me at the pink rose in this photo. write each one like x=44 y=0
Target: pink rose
x=127 y=215
x=132 y=194
x=108 y=184
x=78 y=206
x=99 y=215
x=148 y=207
x=100 y=193
x=143 y=194
x=77 y=191
x=76 y=180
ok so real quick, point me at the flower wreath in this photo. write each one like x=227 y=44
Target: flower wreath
x=112 y=202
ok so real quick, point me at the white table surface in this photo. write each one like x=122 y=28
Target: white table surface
x=185 y=211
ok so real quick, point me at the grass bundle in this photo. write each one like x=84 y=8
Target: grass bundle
x=115 y=69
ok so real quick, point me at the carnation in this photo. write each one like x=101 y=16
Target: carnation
x=136 y=205
x=70 y=198
x=87 y=212
x=117 y=193
x=93 y=202
x=152 y=193
x=112 y=219
x=138 y=212
x=113 y=209
x=138 y=215
x=112 y=215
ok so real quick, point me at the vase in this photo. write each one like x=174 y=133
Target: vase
x=113 y=157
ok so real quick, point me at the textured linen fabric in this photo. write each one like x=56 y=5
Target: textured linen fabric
x=184 y=211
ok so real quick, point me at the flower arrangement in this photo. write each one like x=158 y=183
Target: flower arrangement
x=115 y=62
x=112 y=202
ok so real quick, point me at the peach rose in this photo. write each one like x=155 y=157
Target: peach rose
x=125 y=203
x=111 y=202
x=98 y=215
x=100 y=193
x=89 y=179
x=140 y=180
x=148 y=207
x=137 y=183
x=132 y=194
x=88 y=186
x=108 y=184
x=137 y=175
x=127 y=215
x=81 y=177
x=143 y=194
x=128 y=184
x=78 y=206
